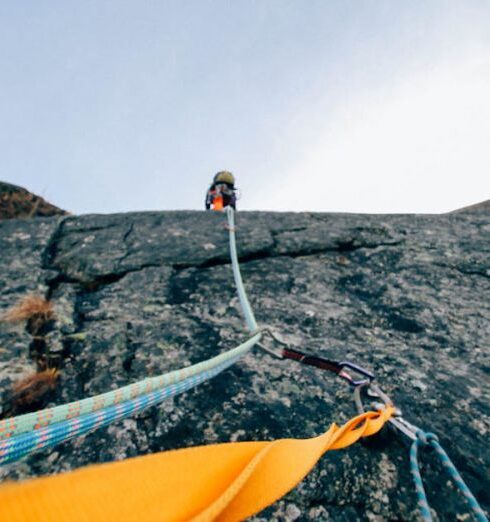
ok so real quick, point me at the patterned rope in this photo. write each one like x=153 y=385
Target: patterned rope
x=22 y=445
x=431 y=440
x=31 y=421
x=25 y=434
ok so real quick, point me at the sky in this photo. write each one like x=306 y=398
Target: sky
x=333 y=106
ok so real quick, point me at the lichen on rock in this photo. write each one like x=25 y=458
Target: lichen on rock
x=141 y=294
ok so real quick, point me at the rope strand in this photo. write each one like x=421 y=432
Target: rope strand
x=427 y=439
x=25 y=434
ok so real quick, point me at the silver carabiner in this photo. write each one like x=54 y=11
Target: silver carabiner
x=397 y=420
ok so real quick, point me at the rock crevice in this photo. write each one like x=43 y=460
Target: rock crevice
x=145 y=293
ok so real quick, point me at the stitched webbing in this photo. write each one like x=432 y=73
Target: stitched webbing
x=225 y=482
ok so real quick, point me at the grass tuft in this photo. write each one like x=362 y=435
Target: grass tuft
x=31 y=391
x=37 y=311
x=28 y=307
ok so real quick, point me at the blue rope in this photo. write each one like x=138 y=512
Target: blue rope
x=20 y=446
x=17 y=446
x=242 y=294
x=430 y=439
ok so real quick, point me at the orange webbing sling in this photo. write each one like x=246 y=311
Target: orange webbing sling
x=228 y=481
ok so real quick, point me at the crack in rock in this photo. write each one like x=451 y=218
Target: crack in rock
x=141 y=294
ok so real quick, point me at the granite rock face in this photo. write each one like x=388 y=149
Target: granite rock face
x=141 y=294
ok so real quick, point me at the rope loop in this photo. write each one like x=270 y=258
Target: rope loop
x=430 y=439
x=427 y=438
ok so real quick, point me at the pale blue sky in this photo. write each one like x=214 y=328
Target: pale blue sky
x=355 y=106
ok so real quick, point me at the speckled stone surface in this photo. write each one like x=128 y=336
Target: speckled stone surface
x=140 y=294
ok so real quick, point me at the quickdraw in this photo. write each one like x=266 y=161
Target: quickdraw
x=16 y=441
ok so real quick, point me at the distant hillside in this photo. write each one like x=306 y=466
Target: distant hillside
x=484 y=206
x=17 y=202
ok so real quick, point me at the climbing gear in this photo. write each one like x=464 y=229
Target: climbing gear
x=242 y=294
x=31 y=421
x=218 y=202
x=375 y=392
x=224 y=176
x=20 y=436
x=220 y=196
x=222 y=192
x=424 y=439
x=106 y=408
x=241 y=492
x=339 y=368
x=418 y=438
x=226 y=482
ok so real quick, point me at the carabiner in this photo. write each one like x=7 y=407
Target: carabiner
x=275 y=353
x=397 y=420
x=369 y=377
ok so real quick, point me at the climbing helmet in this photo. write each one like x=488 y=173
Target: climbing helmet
x=224 y=177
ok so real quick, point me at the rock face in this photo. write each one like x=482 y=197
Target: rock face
x=17 y=202
x=141 y=294
x=483 y=207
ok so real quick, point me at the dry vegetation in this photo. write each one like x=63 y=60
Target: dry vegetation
x=31 y=392
x=34 y=386
x=29 y=306
x=32 y=308
x=17 y=202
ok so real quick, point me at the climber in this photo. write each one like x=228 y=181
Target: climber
x=222 y=192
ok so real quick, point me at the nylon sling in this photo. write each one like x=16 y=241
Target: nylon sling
x=225 y=482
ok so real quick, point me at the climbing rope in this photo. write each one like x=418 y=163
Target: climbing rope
x=22 y=435
x=419 y=438
x=425 y=439
x=242 y=294
x=216 y=482
x=32 y=421
x=19 y=446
